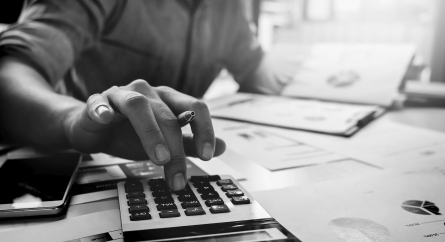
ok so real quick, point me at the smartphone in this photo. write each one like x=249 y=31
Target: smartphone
x=37 y=185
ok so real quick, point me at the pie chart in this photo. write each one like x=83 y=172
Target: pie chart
x=421 y=207
x=358 y=230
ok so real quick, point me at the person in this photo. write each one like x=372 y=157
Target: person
x=112 y=75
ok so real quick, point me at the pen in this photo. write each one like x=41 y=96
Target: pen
x=186 y=117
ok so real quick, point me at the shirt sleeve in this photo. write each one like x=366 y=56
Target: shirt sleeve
x=51 y=34
x=245 y=53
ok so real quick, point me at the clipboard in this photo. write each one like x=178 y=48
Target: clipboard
x=332 y=118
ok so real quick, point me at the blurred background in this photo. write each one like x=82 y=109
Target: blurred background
x=288 y=29
x=305 y=22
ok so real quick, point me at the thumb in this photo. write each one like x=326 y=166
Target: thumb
x=83 y=131
x=99 y=109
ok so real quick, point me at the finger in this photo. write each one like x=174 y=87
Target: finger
x=190 y=149
x=202 y=128
x=99 y=110
x=94 y=118
x=175 y=170
x=175 y=173
x=136 y=107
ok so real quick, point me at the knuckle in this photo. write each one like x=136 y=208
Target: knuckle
x=209 y=132
x=177 y=159
x=198 y=105
x=111 y=90
x=139 y=84
x=169 y=120
x=164 y=89
x=95 y=98
x=134 y=99
x=151 y=131
x=114 y=88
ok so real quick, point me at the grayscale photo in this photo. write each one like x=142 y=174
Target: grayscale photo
x=222 y=120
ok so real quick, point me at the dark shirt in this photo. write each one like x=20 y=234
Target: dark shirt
x=93 y=45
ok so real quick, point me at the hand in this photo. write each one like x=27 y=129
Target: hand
x=137 y=120
x=270 y=77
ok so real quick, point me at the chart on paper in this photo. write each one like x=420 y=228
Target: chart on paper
x=271 y=150
x=391 y=206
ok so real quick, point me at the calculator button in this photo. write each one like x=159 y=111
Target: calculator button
x=208 y=195
x=155 y=187
x=192 y=203
x=138 y=208
x=240 y=200
x=194 y=211
x=135 y=194
x=156 y=181
x=160 y=193
x=205 y=189
x=186 y=190
x=162 y=206
x=214 y=201
x=136 y=200
x=232 y=193
x=169 y=213
x=164 y=199
x=201 y=183
x=219 y=209
x=187 y=197
x=205 y=178
x=224 y=182
x=140 y=216
x=228 y=187
x=131 y=187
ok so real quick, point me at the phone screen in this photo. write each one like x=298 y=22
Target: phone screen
x=31 y=182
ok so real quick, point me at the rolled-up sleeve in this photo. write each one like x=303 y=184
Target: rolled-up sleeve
x=50 y=35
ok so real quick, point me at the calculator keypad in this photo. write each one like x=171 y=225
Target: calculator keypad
x=168 y=203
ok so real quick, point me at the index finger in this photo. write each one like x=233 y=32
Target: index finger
x=202 y=128
x=137 y=108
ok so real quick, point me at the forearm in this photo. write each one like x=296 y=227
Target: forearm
x=31 y=112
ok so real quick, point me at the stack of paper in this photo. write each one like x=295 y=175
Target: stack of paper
x=311 y=115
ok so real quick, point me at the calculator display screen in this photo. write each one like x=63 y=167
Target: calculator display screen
x=32 y=182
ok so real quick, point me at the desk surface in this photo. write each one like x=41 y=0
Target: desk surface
x=260 y=178
x=425 y=117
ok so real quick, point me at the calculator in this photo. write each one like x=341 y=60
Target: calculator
x=210 y=208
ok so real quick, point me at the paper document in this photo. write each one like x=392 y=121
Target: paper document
x=405 y=207
x=310 y=115
x=352 y=73
x=269 y=149
x=73 y=229
x=383 y=143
